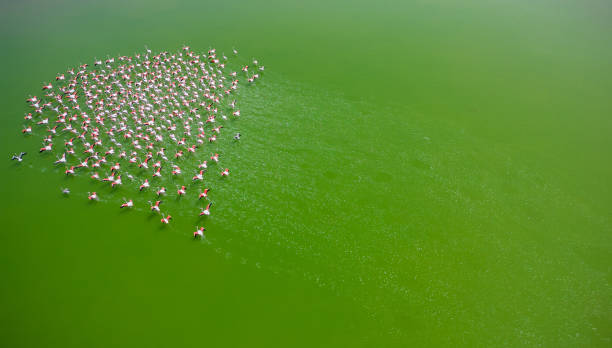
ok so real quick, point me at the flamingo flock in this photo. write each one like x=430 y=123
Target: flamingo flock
x=146 y=114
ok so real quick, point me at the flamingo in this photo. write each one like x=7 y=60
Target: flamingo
x=116 y=182
x=139 y=103
x=155 y=207
x=199 y=232
x=83 y=164
x=166 y=219
x=206 y=211
x=61 y=159
x=203 y=194
x=127 y=204
x=198 y=176
x=46 y=148
x=110 y=177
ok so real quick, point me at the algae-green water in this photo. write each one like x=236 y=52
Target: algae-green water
x=416 y=173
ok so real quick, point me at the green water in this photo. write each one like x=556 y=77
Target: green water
x=420 y=173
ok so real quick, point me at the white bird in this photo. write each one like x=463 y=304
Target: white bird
x=19 y=157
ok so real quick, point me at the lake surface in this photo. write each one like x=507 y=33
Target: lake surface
x=415 y=173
